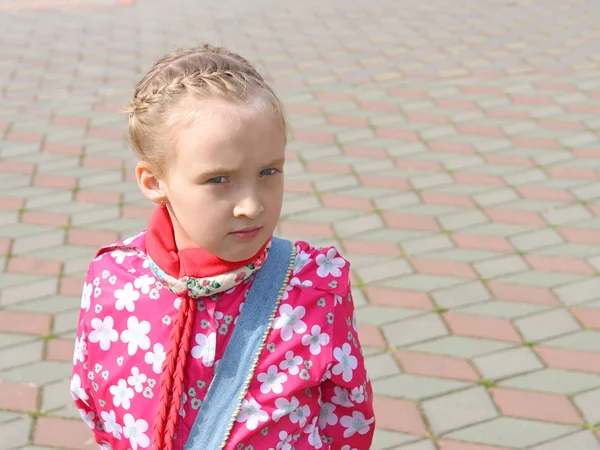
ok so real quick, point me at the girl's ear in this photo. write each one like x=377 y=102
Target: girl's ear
x=149 y=184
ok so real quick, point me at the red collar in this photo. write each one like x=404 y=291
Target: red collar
x=193 y=262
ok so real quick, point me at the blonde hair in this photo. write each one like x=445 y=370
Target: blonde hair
x=156 y=108
x=200 y=73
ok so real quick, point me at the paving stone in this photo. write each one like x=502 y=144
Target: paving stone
x=508 y=431
x=547 y=324
x=579 y=292
x=15 y=433
x=427 y=244
x=554 y=381
x=501 y=266
x=421 y=445
x=585 y=340
x=459 y=409
x=573 y=213
x=39 y=373
x=461 y=295
x=508 y=363
x=536 y=239
x=498 y=308
x=461 y=346
x=390 y=269
x=541 y=278
x=385 y=439
x=582 y=439
x=381 y=366
x=414 y=387
x=380 y=315
x=416 y=329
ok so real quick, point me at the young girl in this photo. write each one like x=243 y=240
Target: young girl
x=205 y=331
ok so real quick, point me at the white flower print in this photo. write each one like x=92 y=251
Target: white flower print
x=86 y=296
x=300 y=415
x=136 y=335
x=126 y=298
x=289 y=321
x=218 y=316
x=129 y=240
x=302 y=259
x=156 y=357
x=272 y=380
x=354 y=323
x=291 y=363
x=110 y=424
x=97 y=292
x=112 y=280
x=137 y=379
x=347 y=363
x=284 y=443
x=77 y=392
x=184 y=399
x=134 y=431
x=358 y=394
x=177 y=303
x=80 y=349
x=347 y=447
x=330 y=264
x=342 y=397
x=144 y=283
x=154 y=294
x=312 y=430
x=337 y=299
x=96 y=281
x=103 y=332
x=88 y=418
x=105 y=274
x=121 y=394
x=295 y=282
x=251 y=412
x=284 y=407
x=357 y=423
x=206 y=348
x=120 y=255
x=327 y=415
x=316 y=339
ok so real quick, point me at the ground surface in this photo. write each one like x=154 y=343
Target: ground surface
x=449 y=148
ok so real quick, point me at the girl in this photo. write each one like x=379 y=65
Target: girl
x=205 y=331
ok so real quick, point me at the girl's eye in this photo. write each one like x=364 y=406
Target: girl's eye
x=267 y=172
x=217 y=180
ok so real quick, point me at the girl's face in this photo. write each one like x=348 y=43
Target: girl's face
x=224 y=185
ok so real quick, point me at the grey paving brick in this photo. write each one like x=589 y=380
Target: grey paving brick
x=361 y=224
x=547 y=324
x=463 y=219
x=17 y=355
x=508 y=363
x=580 y=440
x=432 y=180
x=536 y=239
x=515 y=433
x=584 y=340
x=415 y=387
x=56 y=395
x=501 y=266
x=573 y=213
x=381 y=366
x=459 y=409
x=495 y=197
x=414 y=330
x=461 y=295
x=587 y=403
x=427 y=244
x=541 y=278
x=506 y=310
x=579 y=292
x=524 y=177
x=554 y=381
x=379 y=315
x=461 y=347
x=424 y=283
x=386 y=439
x=15 y=433
x=421 y=445
x=386 y=270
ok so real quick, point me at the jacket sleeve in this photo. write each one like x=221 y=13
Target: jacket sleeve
x=347 y=419
x=81 y=388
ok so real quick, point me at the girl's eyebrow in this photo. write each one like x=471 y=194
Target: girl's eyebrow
x=223 y=170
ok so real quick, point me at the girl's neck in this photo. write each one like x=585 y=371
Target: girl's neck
x=192 y=261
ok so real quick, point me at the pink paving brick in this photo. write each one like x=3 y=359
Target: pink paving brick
x=557 y=172
x=456 y=104
x=535 y=406
x=427 y=118
x=437 y=366
x=106 y=133
x=34 y=266
x=369 y=152
x=509 y=160
x=456 y=445
x=110 y=198
x=324 y=167
x=358 y=247
x=413 y=164
x=480 y=130
x=410 y=222
x=399 y=415
x=537 y=101
x=304 y=109
x=18 y=396
x=480 y=242
x=59 y=350
x=63 y=433
x=379 y=106
x=343 y=202
x=551 y=86
x=475 y=178
x=559 y=264
x=137 y=212
x=398 y=298
x=384 y=182
x=508 y=114
x=25 y=136
x=334 y=96
x=52 y=181
x=443 y=267
x=11 y=203
x=371 y=336
x=583 y=109
x=588 y=317
x=72 y=287
x=525 y=142
x=481 y=327
x=91 y=238
x=440 y=198
x=515 y=217
x=587 y=152
x=25 y=322
x=522 y=294
x=77 y=122
x=62 y=149
x=560 y=358
x=45 y=218
x=480 y=90
x=348 y=121
x=561 y=125
x=95 y=162
x=403 y=93
x=5 y=244
x=545 y=194
x=450 y=147
x=306 y=229
x=403 y=135
x=300 y=187
x=581 y=236
x=17 y=167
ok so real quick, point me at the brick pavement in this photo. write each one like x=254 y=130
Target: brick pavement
x=450 y=149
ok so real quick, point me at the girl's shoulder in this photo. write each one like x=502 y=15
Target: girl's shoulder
x=322 y=268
